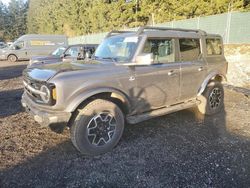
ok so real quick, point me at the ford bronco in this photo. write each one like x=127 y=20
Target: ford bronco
x=133 y=76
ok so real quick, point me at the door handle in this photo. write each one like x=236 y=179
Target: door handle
x=200 y=69
x=171 y=73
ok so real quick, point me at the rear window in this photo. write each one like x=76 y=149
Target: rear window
x=189 y=49
x=214 y=46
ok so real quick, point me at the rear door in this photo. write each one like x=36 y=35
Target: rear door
x=193 y=67
x=158 y=84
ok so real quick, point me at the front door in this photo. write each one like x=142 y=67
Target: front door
x=20 y=49
x=193 y=67
x=158 y=85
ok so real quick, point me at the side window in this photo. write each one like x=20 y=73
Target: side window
x=73 y=51
x=189 y=49
x=19 y=45
x=214 y=46
x=162 y=49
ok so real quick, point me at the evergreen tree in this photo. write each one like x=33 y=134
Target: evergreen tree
x=78 y=17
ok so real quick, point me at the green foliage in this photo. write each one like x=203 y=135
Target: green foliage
x=78 y=17
x=13 y=20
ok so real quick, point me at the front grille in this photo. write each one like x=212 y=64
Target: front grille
x=34 y=84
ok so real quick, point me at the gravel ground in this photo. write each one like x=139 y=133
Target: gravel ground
x=182 y=149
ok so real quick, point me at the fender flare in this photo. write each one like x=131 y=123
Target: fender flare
x=211 y=76
x=72 y=106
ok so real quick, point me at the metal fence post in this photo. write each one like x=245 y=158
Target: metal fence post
x=229 y=15
x=198 y=22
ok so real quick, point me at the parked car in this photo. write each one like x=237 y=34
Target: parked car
x=133 y=76
x=2 y=45
x=65 y=54
x=32 y=45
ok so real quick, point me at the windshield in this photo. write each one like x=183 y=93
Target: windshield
x=117 y=48
x=58 y=51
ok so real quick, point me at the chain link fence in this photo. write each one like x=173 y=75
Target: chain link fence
x=234 y=27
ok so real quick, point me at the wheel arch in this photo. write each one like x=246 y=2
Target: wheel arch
x=111 y=94
x=212 y=76
x=12 y=54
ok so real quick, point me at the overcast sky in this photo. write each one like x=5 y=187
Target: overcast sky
x=5 y=1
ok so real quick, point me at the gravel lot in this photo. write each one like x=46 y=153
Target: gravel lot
x=182 y=149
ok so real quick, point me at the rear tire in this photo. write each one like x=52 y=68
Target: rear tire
x=212 y=99
x=97 y=127
x=12 y=58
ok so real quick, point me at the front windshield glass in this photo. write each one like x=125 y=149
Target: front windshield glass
x=58 y=51
x=117 y=48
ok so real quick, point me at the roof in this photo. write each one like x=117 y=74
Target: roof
x=161 y=32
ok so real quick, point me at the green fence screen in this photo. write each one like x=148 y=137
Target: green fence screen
x=234 y=27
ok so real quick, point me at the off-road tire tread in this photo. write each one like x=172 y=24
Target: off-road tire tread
x=202 y=106
x=82 y=110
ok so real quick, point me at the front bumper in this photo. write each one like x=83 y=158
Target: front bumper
x=43 y=116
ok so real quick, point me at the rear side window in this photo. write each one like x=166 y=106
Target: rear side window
x=189 y=49
x=214 y=46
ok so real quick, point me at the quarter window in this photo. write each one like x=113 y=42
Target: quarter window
x=189 y=49
x=162 y=49
x=214 y=46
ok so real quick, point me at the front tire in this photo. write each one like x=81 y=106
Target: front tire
x=212 y=99
x=12 y=58
x=97 y=127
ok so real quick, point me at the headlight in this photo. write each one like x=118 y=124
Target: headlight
x=33 y=61
x=46 y=96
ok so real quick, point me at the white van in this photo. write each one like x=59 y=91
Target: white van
x=32 y=45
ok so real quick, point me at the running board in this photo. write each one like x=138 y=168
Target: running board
x=162 y=111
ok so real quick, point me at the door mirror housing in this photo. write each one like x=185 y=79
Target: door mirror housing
x=144 y=59
x=15 y=48
x=88 y=55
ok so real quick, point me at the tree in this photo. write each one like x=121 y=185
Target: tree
x=78 y=17
x=3 y=14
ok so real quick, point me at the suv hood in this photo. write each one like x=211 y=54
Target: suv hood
x=47 y=71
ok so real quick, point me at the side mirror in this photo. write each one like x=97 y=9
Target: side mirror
x=88 y=55
x=62 y=56
x=144 y=59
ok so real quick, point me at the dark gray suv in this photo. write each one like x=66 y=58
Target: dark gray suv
x=132 y=77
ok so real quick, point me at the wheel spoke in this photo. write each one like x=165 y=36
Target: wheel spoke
x=101 y=129
x=215 y=98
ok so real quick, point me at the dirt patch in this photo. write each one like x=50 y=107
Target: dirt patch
x=238 y=57
x=182 y=149
x=236 y=49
